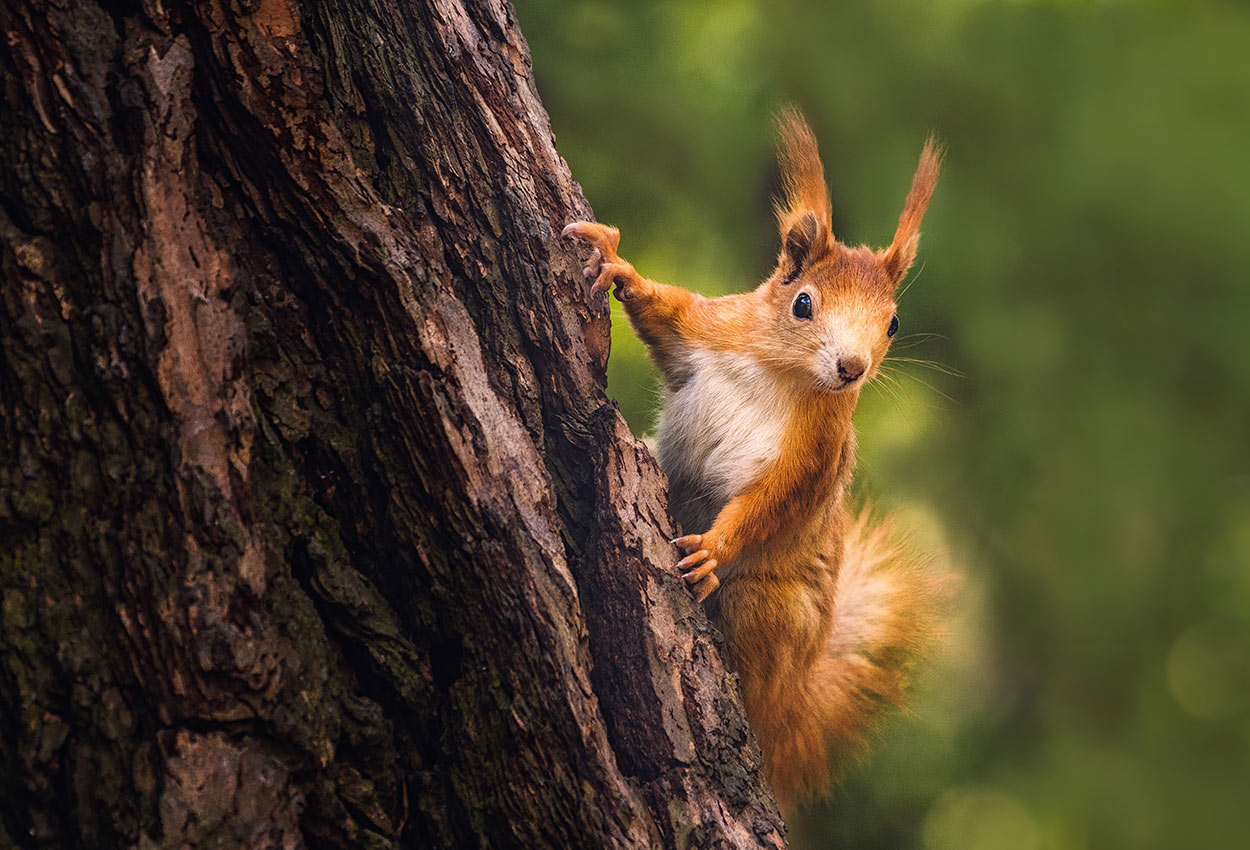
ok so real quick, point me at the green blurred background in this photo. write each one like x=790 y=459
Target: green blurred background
x=1079 y=446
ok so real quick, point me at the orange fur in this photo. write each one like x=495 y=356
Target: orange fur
x=897 y=259
x=820 y=612
x=802 y=173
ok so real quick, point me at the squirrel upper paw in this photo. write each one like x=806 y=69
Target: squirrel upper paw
x=604 y=267
x=700 y=563
x=603 y=237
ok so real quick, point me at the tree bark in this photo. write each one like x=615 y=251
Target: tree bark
x=316 y=526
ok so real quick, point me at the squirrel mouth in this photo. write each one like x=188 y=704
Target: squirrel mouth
x=838 y=385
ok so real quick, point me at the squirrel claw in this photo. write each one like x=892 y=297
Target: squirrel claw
x=593 y=265
x=701 y=566
x=704 y=589
x=604 y=267
x=608 y=274
x=605 y=238
x=689 y=543
x=692 y=559
x=699 y=572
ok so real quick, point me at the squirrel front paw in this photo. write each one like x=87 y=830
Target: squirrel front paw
x=700 y=563
x=604 y=267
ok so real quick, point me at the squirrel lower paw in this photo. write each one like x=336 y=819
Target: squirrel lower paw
x=700 y=563
x=604 y=267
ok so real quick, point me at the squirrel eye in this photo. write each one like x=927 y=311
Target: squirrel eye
x=803 y=306
x=893 y=329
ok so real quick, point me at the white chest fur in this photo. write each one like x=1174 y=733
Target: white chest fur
x=717 y=433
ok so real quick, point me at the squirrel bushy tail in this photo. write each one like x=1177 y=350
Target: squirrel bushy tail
x=884 y=618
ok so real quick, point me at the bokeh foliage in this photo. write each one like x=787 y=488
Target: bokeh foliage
x=1084 y=272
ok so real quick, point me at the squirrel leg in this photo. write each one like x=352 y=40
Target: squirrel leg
x=663 y=316
x=772 y=507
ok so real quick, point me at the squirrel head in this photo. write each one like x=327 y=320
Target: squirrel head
x=831 y=304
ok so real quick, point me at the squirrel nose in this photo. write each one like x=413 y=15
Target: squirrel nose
x=850 y=368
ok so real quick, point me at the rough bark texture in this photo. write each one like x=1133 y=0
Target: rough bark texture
x=316 y=528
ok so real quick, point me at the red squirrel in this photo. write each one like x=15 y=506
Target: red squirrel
x=820 y=611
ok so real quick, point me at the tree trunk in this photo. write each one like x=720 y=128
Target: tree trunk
x=316 y=527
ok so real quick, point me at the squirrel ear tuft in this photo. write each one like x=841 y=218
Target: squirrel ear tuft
x=802 y=238
x=897 y=259
x=804 y=214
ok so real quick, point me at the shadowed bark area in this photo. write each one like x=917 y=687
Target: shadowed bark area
x=316 y=528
